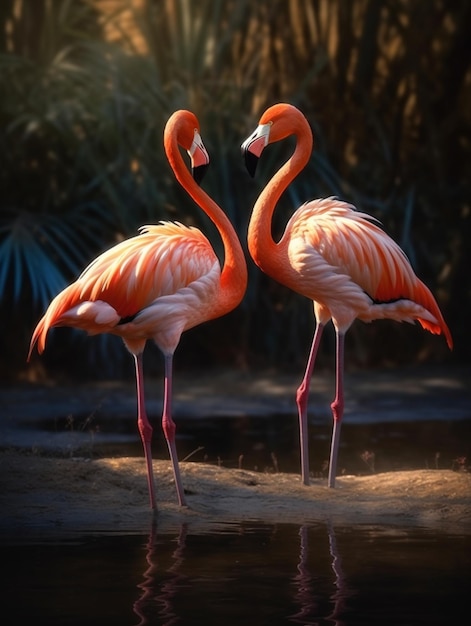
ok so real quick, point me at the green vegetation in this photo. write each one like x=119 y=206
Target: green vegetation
x=84 y=98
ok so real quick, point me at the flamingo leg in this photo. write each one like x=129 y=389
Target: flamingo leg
x=169 y=428
x=337 y=408
x=302 y=396
x=145 y=429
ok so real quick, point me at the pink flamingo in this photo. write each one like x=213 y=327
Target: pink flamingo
x=336 y=256
x=156 y=285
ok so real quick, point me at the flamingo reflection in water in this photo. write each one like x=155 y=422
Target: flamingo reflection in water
x=310 y=601
x=162 y=588
x=156 y=599
x=304 y=583
x=342 y=592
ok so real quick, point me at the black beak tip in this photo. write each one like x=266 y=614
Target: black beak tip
x=250 y=162
x=199 y=172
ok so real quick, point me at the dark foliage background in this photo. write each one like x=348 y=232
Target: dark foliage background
x=86 y=88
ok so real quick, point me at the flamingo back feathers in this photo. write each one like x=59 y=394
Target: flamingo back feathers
x=162 y=260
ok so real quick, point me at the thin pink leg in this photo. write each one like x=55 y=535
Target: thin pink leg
x=144 y=427
x=302 y=396
x=168 y=426
x=337 y=408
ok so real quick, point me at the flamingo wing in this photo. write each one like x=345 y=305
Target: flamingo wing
x=351 y=262
x=355 y=244
x=163 y=260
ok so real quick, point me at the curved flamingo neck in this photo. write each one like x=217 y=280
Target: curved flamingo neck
x=234 y=270
x=266 y=252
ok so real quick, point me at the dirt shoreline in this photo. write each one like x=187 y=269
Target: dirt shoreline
x=44 y=495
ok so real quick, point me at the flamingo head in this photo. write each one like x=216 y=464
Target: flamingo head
x=278 y=122
x=184 y=127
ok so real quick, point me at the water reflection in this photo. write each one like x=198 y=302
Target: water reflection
x=148 y=577
x=250 y=572
x=310 y=606
x=303 y=582
x=163 y=594
x=313 y=595
x=341 y=592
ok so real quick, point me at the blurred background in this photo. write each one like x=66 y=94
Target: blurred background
x=86 y=87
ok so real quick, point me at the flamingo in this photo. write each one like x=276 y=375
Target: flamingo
x=336 y=256
x=156 y=285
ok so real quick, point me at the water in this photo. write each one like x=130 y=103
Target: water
x=245 y=573
x=271 y=443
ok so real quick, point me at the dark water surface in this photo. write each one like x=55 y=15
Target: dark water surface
x=271 y=443
x=246 y=573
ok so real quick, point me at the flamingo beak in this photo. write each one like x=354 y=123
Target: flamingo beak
x=199 y=158
x=254 y=145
